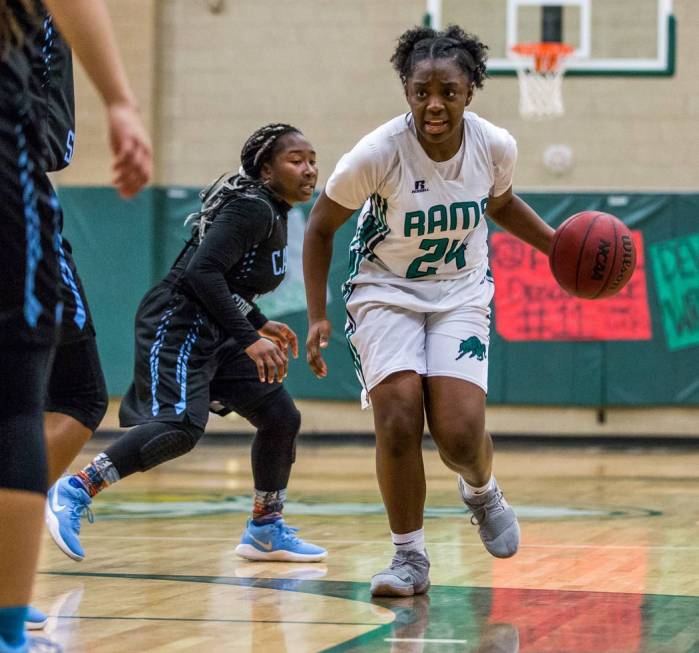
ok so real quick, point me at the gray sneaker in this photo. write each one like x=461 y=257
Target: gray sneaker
x=407 y=575
x=496 y=521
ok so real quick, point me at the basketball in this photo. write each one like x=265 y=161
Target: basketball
x=592 y=255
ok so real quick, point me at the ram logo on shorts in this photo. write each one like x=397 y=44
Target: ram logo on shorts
x=473 y=347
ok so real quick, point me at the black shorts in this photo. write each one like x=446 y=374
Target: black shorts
x=76 y=320
x=236 y=386
x=30 y=306
x=77 y=387
x=176 y=343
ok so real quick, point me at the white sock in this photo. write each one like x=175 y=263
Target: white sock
x=471 y=491
x=414 y=541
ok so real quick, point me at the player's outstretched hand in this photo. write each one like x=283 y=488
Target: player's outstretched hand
x=283 y=336
x=318 y=338
x=131 y=147
x=272 y=363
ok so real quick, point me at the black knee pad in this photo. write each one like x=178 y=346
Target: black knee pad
x=167 y=442
x=76 y=387
x=276 y=414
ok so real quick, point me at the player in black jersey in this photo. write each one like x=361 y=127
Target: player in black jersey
x=201 y=343
x=76 y=397
x=30 y=267
x=76 y=393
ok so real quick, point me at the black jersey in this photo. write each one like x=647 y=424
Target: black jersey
x=53 y=108
x=30 y=299
x=37 y=78
x=53 y=95
x=242 y=255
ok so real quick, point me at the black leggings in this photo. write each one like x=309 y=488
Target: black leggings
x=273 y=449
x=23 y=373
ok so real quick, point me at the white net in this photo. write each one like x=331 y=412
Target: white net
x=540 y=77
x=540 y=93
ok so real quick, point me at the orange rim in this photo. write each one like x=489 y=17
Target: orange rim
x=547 y=55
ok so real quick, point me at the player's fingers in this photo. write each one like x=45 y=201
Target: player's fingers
x=132 y=158
x=280 y=340
x=270 y=369
x=294 y=342
x=316 y=362
x=133 y=165
x=130 y=179
x=124 y=152
x=270 y=366
x=283 y=350
x=261 y=369
x=126 y=184
x=282 y=370
x=275 y=364
x=129 y=185
x=311 y=351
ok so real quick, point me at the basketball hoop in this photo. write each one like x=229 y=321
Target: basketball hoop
x=540 y=70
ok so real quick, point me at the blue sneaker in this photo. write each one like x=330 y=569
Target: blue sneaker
x=36 y=619
x=65 y=506
x=277 y=541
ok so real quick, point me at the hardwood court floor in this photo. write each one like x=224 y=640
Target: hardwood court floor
x=609 y=561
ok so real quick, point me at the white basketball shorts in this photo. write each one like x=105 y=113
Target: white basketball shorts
x=433 y=327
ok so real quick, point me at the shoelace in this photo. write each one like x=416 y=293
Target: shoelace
x=400 y=559
x=494 y=506
x=288 y=533
x=77 y=514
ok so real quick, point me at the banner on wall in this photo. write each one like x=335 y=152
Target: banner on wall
x=676 y=271
x=530 y=305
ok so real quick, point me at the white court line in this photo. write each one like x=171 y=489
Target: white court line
x=425 y=641
x=234 y=539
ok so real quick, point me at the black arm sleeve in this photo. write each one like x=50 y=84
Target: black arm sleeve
x=239 y=225
x=257 y=318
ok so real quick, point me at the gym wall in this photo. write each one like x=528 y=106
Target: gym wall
x=206 y=80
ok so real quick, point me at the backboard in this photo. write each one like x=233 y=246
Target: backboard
x=610 y=37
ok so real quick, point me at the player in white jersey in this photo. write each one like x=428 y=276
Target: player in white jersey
x=419 y=289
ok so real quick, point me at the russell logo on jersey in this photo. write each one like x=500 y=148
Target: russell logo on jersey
x=420 y=186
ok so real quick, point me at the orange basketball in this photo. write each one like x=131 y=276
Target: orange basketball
x=592 y=255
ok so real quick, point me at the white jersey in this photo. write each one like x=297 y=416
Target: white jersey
x=418 y=221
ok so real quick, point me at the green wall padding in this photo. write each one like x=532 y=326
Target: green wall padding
x=124 y=247
x=113 y=244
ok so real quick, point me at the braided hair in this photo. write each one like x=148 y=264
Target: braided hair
x=420 y=43
x=259 y=149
